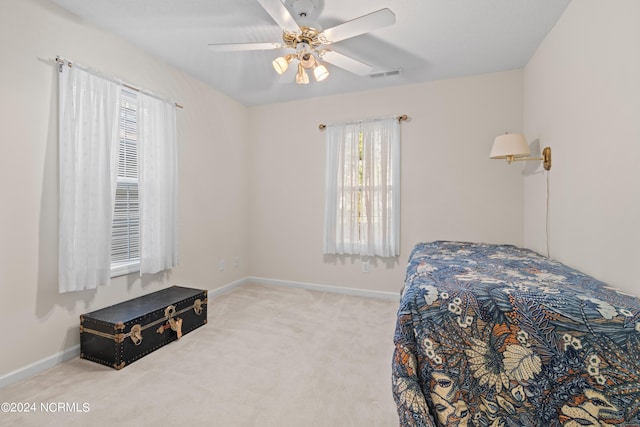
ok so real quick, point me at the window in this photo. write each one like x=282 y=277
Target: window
x=362 y=209
x=125 y=234
x=102 y=236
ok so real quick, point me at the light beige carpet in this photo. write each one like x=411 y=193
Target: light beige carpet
x=269 y=356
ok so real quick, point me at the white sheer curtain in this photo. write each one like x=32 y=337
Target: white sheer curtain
x=88 y=158
x=362 y=205
x=158 y=177
x=341 y=227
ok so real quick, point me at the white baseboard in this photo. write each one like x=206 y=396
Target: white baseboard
x=392 y=296
x=227 y=288
x=39 y=366
x=71 y=352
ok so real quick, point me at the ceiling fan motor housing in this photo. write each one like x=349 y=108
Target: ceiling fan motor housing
x=308 y=35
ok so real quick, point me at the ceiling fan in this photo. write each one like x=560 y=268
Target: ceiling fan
x=312 y=45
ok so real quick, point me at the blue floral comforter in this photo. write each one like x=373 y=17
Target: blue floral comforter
x=495 y=335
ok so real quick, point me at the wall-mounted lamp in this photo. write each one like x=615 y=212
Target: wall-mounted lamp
x=514 y=147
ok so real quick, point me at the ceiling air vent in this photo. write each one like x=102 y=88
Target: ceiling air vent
x=386 y=73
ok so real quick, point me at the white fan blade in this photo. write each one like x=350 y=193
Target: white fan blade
x=236 y=47
x=277 y=10
x=361 y=25
x=347 y=63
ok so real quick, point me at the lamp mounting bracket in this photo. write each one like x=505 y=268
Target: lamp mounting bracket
x=546 y=158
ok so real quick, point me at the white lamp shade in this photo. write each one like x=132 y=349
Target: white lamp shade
x=509 y=144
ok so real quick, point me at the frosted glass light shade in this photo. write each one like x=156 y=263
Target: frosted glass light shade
x=280 y=64
x=301 y=76
x=320 y=73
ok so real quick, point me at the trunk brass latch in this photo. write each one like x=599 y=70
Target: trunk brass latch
x=197 y=306
x=174 y=324
x=136 y=334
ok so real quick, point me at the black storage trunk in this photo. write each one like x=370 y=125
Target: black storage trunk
x=123 y=333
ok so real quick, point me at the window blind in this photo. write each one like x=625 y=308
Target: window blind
x=125 y=238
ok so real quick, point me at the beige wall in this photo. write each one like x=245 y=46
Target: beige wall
x=252 y=180
x=37 y=321
x=582 y=98
x=450 y=188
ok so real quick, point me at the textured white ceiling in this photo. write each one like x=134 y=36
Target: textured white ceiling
x=431 y=40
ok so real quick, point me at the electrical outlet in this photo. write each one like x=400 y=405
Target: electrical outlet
x=221 y=264
x=365 y=266
x=236 y=262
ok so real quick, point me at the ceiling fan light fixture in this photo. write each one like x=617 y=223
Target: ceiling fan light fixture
x=281 y=63
x=301 y=76
x=307 y=39
x=320 y=72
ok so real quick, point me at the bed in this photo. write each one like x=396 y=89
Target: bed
x=500 y=336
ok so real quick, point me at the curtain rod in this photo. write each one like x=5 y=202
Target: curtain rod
x=62 y=61
x=322 y=126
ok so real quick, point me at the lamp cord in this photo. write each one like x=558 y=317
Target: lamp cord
x=547 y=218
